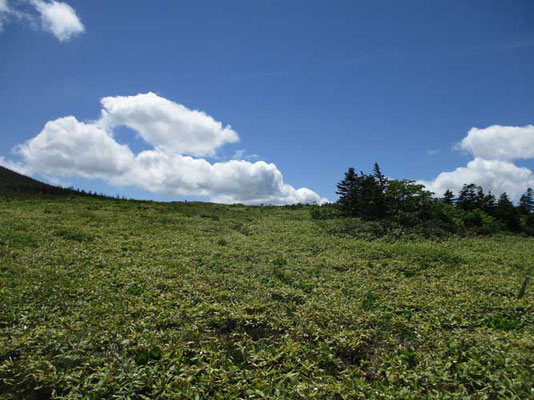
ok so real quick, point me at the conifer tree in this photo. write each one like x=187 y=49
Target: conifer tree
x=379 y=177
x=378 y=195
x=488 y=204
x=345 y=190
x=480 y=198
x=468 y=198
x=526 y=202
x=448 y=197
x=507 y=213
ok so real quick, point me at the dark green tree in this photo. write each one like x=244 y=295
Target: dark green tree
x=480 y=198
x=345 y=190
x=526 y=202
x=507 y=213
x=379 y=176
x=488 y=204
x=448 y=197
x=378 y=192
x=528 y=226
x=468 y=198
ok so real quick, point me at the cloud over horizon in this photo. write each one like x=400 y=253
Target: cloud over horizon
x=67 y=147
x=493 y=149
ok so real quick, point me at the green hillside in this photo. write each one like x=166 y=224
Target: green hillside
x=106 y=299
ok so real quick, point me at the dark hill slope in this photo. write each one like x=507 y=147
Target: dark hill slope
x=13 y=183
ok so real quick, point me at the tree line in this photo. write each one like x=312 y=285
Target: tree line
x=375 y=197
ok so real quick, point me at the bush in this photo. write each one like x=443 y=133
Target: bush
x=528 y=225
x=327 y=211
x=361 y=229
x=480 y=222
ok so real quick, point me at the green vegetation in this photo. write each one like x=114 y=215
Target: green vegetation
x=406 y=207
x=102 y=298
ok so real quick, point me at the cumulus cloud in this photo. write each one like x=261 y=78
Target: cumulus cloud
x=494 y=148
x=59 y=18
x=226 y=182
x=493 y=175
x=68 y=147
x=500 y=142
x=168 y=126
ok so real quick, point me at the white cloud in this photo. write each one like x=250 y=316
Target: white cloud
x=168 y=126
x=68 y=147
x=15 y=166
x=226 y=182
x=493 y=149
x=500 y=142
x=493 y=175
x=59 y=18
x=56 y=17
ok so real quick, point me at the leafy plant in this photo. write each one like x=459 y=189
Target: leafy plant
x=153 y=306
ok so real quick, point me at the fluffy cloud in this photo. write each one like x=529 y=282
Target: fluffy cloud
x=168 y=126
x=59 y=18
x=226 y=182
x=68 y=147
x=15 y=166
x=494 y=148
x=495 y=175
x=500 y=142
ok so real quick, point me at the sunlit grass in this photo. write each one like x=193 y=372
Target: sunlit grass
x=110 y=299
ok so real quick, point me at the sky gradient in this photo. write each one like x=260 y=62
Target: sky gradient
x=311 y=87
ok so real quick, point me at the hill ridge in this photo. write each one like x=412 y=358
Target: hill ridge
x=14 y=183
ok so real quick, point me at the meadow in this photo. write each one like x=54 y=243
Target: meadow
x=116 y=299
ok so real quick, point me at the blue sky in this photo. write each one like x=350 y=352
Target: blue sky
x=311 y=86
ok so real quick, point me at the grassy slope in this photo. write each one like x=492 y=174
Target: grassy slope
x=105 y=297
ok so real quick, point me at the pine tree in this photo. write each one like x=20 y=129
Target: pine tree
x=468 y=198
x=507 y=213
x=378 y=195
x=448 y=197
x=345 y=189
x=480 y=198
x=488 y=204
x=526 y=202
x=379 y=177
